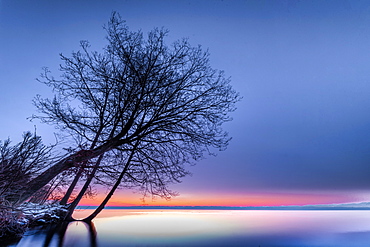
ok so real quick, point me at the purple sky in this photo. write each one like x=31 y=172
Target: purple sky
x=303 y=68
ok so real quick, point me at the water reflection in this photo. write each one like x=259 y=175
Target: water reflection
x=210 y=228
x=76 y=233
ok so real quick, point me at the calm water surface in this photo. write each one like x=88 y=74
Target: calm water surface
x=211 y=228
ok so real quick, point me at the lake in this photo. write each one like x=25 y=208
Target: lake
x=168 y=227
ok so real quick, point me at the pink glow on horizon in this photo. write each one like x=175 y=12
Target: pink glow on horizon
x=211 y=199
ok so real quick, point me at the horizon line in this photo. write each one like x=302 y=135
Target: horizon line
x=344 y=206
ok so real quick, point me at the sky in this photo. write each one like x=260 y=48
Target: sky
x=301 y=134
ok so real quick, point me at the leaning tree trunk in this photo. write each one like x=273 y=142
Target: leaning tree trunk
x=68 y=194
x=71 y=161
x=74 y=204
x=44 y=178
x=106 y=199
x=78 y=175
x=111 y=192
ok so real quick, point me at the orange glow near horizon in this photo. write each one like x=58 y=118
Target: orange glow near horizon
x=248 y=199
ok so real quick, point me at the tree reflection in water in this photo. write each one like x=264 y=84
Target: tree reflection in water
x=59 y=230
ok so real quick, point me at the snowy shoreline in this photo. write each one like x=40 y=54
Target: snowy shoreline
x=14 y=222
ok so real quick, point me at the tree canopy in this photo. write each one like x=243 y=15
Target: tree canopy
x=147 y=107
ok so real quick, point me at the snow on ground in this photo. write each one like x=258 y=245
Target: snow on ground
x=42 y=214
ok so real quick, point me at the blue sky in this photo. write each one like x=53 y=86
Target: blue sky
x=302 y=68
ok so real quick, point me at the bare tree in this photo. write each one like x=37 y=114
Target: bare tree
x=20 y=163
x=165 y=100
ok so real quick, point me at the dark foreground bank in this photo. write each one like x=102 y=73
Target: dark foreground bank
x=14 y=222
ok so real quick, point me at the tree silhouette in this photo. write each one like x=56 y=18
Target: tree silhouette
x=147 y=107
x=20 y=163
